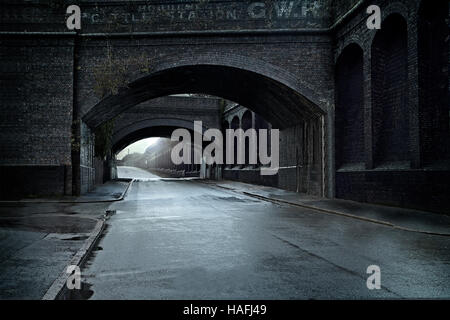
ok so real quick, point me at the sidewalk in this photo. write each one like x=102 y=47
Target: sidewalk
x=399 y=218
x=108 y=192
x=39 y=239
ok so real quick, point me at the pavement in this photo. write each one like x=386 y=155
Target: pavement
x=38 y=240
x=400 y=218
x=109 y=191
x=185 y=239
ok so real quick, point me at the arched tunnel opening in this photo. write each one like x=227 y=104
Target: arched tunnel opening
x=143 y=150
x=149 y=158
x=146 y=144
x=247 y=100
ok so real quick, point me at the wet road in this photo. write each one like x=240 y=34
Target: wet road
x=188 y=240
x=125 y=172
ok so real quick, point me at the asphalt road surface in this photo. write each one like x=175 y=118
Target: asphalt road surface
x=189 y=240
x=125 y=172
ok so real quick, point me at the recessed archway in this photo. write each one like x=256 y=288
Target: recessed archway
x=390 y=93
x=263 y=88
x=349 y=133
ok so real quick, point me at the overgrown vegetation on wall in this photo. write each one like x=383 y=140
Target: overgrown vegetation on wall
x=222 y=106
x=111 y=74
x=103 y=139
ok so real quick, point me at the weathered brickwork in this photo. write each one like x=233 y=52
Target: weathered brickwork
x=389 y=93
x=160 y=116
x=340 y=8
x=349 y=129
x=402 y=159
x=156 y=15
x=268 y=56
x=36 y=99
x=236 y=116
x=369 y=125
x=36 y=105
x=301 y=155
x=433 y=57
x=87 y=166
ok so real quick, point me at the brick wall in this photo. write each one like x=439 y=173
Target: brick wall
x=36 y=114
x=87 y=166
x=288 y=77
x=189 y=109
x=397 y=123
x=433 y=82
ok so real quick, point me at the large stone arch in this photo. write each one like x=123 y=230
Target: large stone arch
x=155 y=127
x=269 y=90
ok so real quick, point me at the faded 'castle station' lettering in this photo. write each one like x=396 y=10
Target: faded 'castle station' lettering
x=192 y=16
x=209 y=11
x=255 y=10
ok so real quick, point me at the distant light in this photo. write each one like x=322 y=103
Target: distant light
x=137 y=147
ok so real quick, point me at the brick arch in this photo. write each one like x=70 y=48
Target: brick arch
x=352 y=40
x=254 y=84
x=235 y=122
x=242 y=62
x=246 y=119
x=389 y=70
x=155 y=127
x=393 y=8
x=349 y=103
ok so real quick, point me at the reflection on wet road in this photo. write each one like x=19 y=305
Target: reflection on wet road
x=125 y=172
x=188 y=240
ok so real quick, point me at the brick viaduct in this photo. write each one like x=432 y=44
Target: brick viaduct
x=364 y=113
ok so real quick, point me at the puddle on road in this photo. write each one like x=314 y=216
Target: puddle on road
x=117 y=195
x=70 y=213
x=234 y=199
x=76 y=238
x=85 y=293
